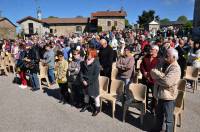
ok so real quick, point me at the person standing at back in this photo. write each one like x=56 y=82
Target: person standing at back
x=49 y=60
x=61 y=68
x=182 y=57
x=105 y=58
x=126 y=67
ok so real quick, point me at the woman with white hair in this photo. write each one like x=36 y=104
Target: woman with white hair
x=149 y=62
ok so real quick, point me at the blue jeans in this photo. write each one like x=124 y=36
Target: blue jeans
x=126 y=83
x=34 y=80
x=165 y=108
x=51 y=75
x=127 y=94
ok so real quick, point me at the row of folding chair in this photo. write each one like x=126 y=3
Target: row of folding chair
x=192 y=74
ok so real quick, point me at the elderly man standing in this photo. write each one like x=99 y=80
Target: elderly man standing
x=105 y=58
x=166 y=91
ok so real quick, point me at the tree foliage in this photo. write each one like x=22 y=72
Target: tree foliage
x=188 y=25
x=164 y=21
x=147 y=17
x=182 y=19
x=52 y=17
x=127 y=24
x=79 y=16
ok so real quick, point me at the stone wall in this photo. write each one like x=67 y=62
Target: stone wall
x=7 y=30
x=154 y=27
x=103 y=22
x=38 y=27
x=65 y=29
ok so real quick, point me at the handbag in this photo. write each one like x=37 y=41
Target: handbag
x=29 y=65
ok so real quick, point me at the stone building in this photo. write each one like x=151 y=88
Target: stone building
x=108 y=19
x=62 y=26
x=7 y=29
x=154 y=26
x=57 y=26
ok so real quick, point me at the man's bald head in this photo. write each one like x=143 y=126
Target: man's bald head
x=103 y=42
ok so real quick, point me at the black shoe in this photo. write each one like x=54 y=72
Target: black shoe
x=78 y=105
x=34 y=89
x=64 y=101
x=84 y=108
x=60 y=101
x=96 y=112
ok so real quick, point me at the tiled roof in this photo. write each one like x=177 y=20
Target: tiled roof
x=4 y=18
x=109 y=14
x=29 y=18
x=65 y=20
x=56 y=20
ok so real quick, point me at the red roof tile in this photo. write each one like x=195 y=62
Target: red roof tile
x=109 y=14
x=65 y=20
x=29 y=18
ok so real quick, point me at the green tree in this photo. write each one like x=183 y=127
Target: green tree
x=182 y=19
x=164 y=21
x=127 y=24
x=52 y=17
x=79 y=16
x=188 y=25
x=146 y=18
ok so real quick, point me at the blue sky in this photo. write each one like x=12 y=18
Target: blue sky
x=17 y=9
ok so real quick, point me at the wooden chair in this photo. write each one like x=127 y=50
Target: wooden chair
x=116 y=91
x=3 y=67
x=43 y=74
x=103 y=85
x=182 y=87
x=114 y=74
x=192 y=75
x=178 y=108
x=12 y=63
x=138 y=92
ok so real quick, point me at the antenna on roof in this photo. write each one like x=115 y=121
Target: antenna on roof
x=122 y=5
x=39 y=12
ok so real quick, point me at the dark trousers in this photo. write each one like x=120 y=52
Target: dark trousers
x=165 y=108
x=150 y=87
x=64 y=91
x=34 y=80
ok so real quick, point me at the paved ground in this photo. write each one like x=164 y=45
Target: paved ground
x=27 y=111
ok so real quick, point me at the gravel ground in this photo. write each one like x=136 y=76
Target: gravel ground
x=27 y=111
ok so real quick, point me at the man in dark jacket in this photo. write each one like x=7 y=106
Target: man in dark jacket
x=181 y=57
x=34 y=57
x=105 y=58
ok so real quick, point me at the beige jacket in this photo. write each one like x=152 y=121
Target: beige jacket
x=61 y=71
x=166 y=83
